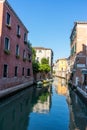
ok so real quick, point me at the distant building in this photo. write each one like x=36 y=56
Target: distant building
x=42 y=52
x=15 y=55
x=61 y=67
x=78 y=56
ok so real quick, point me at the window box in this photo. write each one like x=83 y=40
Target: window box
x=18 y=35
x=7 y=52
x=8 y=26
x=25 y=41
x=24 y=59
x=17 y=56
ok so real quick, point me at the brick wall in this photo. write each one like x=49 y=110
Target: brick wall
x=11 y=59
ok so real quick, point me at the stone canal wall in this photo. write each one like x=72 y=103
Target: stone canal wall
x=14 y=81
x=16 y=88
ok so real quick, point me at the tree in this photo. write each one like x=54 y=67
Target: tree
x=35 y=64
x=35 y=67
x=33 y=54
x=44 y=61
x=44 y=66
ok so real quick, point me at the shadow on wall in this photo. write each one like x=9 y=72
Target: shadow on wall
x=78 y=74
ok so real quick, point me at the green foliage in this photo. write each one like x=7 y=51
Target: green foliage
x=35 y=67
x=33 y=54
x=44 y=97
x=7 y=52
x=17 y=56
x=44 y=68
x=34 y=63
x=44 y=61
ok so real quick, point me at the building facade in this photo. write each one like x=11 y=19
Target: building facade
x=78 y=56
x=15 y=54
x=61 y=67
x=42 y=52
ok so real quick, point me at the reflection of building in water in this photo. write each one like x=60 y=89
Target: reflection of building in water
x=43 y=103
x=61 y=87
x=78 y=113
x=14 y=111
x=42 y=106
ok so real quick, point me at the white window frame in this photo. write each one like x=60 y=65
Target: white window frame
x=8 y=43
x=18 y=30
x=9 y=19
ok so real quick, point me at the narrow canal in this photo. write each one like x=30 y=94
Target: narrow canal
x=47 y=108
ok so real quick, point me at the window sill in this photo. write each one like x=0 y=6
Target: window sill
x=7 y=52
x=25 y=42
x=18 y=35
x=17 y=56
x=24 y=59
x=8 y=26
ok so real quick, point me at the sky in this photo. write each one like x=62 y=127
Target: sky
x=50 y=22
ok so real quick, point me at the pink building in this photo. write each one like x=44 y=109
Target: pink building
x=15 y=53
x=78 y=57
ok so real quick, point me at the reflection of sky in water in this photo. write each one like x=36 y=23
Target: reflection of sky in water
x=56 y=119
x=43 y=109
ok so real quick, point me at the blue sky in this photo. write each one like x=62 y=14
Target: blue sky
x=50 y=22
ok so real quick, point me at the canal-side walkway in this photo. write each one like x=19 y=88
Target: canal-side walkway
x=16 y=88
x=82 y=92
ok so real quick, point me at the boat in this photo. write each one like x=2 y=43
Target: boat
x=46 y=81
x=39 y=84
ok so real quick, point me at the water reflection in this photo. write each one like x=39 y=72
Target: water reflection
x=78 y=112
x=43 y=102
x=77 y=108
x=15 y=111
x=61 y=87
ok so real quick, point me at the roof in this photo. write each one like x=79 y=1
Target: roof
x=80 y=22
x=75 y=24
x=43 y=48
x=61 y=59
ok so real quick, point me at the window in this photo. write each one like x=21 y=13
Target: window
x=29 y=57
x=73 y=35
x=28 y=72
x=7 y=43
x=16 y=70
x=24 y=54
x=5 y=70
x=23 y=71
x=18 y=31
x=25 y=38
x=8 y=19
x=17 y=50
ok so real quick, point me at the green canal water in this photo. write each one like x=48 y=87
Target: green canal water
x=48 y=108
